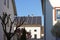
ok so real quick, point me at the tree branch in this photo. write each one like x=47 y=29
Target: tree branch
x=11 y=26
x=2 y=26
x=4 y=29
x=18 y=25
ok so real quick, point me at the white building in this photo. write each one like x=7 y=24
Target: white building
x=33 y=25
x=6 y=6
x=51 y=12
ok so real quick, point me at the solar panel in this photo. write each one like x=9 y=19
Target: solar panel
x=30 y=20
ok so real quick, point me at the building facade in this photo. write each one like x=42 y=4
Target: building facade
x=51 y=12
x=32 y=25
x=6 y=6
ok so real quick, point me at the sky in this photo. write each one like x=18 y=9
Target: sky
x=29 y=7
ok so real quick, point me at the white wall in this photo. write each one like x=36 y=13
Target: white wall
x=55 y=3
x=1 y=30
x=3 y=8
x=9 y=11
x=38 y=32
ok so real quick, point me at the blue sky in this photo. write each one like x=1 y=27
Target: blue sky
x=29 y=7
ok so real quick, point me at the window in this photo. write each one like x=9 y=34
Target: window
x=4 y=2
x=58 y=14
x=35 y=36
x=8 y=3
x=35 y=30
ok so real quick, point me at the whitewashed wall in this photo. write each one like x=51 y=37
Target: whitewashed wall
x=38 y=31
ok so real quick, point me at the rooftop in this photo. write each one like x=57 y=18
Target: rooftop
x=31 y=20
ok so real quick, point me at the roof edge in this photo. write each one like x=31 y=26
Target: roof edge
x=14 y=7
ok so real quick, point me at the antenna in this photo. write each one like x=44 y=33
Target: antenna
x=28 y=15
x=32 y=15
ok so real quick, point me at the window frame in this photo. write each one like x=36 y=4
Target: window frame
x=57 y=15
x=55 y=11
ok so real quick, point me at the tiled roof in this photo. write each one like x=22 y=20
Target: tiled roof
x=31 y=20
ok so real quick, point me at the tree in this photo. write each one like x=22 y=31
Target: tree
x=18 y=34
x=56 y=30
x=5 y=20
x=23 y=36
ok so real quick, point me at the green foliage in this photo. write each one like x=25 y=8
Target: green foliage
x=56 y=30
